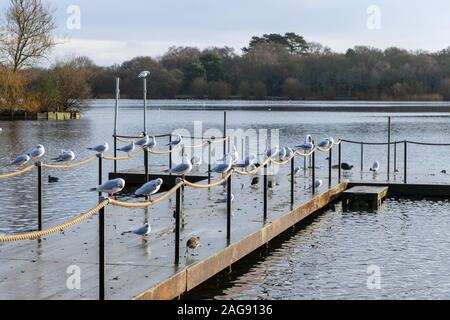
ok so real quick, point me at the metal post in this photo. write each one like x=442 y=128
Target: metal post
x=209 y=161
x=177 y=226
x=225 y=133
x=101 y=252
x=313 y=158
x=39 y=167
x=100 y=171
x=340 y=162
x=265 y=192
x=395 y=157
x=170 y=153
x=145 y=105
x=362 y=156
x=292 y=181
x=146 y=165
x=389 y=149
x=405 y=163
x=229 y=193
x=116 y=121
x=330 y=164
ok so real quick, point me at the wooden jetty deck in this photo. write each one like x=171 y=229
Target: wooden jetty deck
x=137 y=269
x=370 y=197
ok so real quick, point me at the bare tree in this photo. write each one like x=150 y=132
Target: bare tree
x=26 y=35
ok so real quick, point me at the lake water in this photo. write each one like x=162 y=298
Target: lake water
x=321 y=269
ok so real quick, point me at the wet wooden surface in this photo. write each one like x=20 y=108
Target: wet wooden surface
x=32 y=270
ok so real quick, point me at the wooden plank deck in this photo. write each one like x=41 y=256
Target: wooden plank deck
x=145 y=269
x=361 y=197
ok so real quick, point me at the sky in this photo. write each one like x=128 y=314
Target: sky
x=112 y=31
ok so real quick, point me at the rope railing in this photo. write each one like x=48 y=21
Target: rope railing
x=69 y=166
x=211 y=185
x=59 y=228
x=16 y=173
x=131 y=156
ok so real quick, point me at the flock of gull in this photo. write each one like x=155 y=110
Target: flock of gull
x=230 y=160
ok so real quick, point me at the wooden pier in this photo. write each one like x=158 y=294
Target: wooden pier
x=364 y=197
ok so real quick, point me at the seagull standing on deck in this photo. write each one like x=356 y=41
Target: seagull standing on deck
x=375 y=167
x=128 y=148
x=192 y=244
x=101 y=148
x=318 y=183
x=150 y=188
x=144 y=231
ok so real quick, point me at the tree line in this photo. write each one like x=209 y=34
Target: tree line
x=272 y=66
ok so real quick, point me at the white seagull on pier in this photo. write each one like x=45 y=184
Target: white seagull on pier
x=111 y=187
x=151 y=144
x=375 y=167
x=20 y=160
x=144 y=141
x=144 y=231
x=224 y=167
x=65 y=156
x=38 y=152
x=183 y=168
x=128 y=148
x=101 y=148
x=150 y=188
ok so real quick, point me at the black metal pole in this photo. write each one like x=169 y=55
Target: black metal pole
x=313 y=158
x=292 y=181
x=209 y=161
x=362 y=156
x=100 y=171
x=330 y=165
x=395 y=157
x=405 y=163
x=146 y=165
x=225 y=133
x=170 y=153
x=39 y=169
x=177 y=226
x=115 y=154
x=265 y=192
x=229 y=199
x=389 y=150
x=340 y=162
x=101 y=252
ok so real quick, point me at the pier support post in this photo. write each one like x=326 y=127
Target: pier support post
x=224 y=133
x=101 y=252
x=229 y=200
x=313 y=158
x=395 y=157
x=330 y=165
x=405 y=162
x=100 y=171
x=39 y=178
x=389 y=150
x=265 y=193
x=292 y=181
x=209 y=161
x=146 y=165
x=340 y=162
x=177 y=226
x=170 y=154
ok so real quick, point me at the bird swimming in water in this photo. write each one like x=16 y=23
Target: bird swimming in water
x=111 y=187
x=52 y=179
x=101 y=148
x=192 y=244
x=20 y=160
x=150 y=188
x=38 y=152
x=65 y=156
x=128 y=148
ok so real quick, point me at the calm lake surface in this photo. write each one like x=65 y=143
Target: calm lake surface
x=408 y=240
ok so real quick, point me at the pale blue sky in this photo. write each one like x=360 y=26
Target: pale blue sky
x=115 y=30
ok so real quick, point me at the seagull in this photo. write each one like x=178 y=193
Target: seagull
x=223 y=167
x=331 y=140
x=324 y=144
x=142 y=231
x=20 y=160
x=307 y=146
x=65 y=156
x=282 y=154
x=375 y=167
x=297 y=171
x=128 y=148
x=144 y=141
x=192 y=244
x=149 y=188
x=144 y=74
x=151 y=144
x=101 y=148
x=183 y=168
x=308 y=138
x=196 y=162
x=248 y=162
x=37 y=152
x=111 y=187
x=289 y=152
x=176 y=142
x=225 y=198
x=318 y=183
x=272 y=152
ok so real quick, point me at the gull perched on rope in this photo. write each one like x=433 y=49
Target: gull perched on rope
x=224 y=167
x=271 y=153
x=150 y=188
x=128 y=148
x=111 y=187
x=38 y=152
x=183 y=168
x=65 y=156
x=176 y=142
x=20 y=160
x=151 y=144
x=325 y=143
x=144 y=141
x=101 y=148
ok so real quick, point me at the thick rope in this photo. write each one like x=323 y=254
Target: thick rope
x=148 y=203
x=209 y=186
x=69 y=166
x=16 y=173
x=253 y=172
x=165 y=152
x=123 y=158
x=59 y=228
